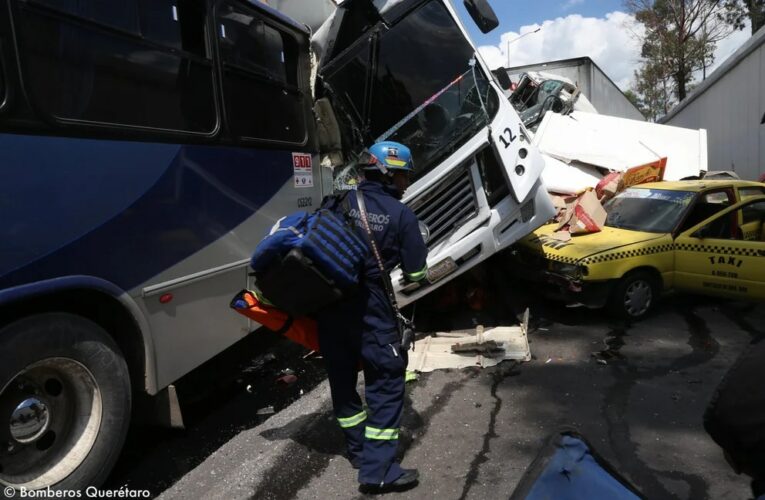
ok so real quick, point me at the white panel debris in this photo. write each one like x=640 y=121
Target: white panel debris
x=435 y=351
x=614 y=143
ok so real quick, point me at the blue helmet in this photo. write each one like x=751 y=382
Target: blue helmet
x=386 y=156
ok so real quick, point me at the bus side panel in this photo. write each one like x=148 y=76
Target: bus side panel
x=146 y=216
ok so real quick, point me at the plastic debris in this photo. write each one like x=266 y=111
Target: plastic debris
x=411 y=376
x=286 y=377
x=486 y=347
x=266 y=410
x=259 y=362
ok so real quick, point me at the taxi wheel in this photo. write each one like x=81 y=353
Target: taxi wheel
x=634 y=295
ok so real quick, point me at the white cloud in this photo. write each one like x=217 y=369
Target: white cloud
x=611 y=41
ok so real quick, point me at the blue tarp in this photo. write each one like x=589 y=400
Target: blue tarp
x=573 y=473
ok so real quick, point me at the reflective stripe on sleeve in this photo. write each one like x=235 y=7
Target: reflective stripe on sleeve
x=418 y=275
x=382 y=434
x=353 y=421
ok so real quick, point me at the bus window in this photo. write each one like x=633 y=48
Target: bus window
x=260 y=76
x=176 y=24
x=2 y=84
x=119 y=14
x=82 y=74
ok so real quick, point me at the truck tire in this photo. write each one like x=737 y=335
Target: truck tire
x=634 y=295
x=64 y=403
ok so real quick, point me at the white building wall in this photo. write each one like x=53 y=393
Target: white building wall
x=730 y=105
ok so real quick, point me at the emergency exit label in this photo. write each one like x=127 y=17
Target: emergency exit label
x=303 y=169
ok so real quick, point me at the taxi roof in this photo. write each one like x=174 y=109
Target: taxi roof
x=698 y=185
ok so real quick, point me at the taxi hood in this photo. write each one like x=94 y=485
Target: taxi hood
x=581 y=246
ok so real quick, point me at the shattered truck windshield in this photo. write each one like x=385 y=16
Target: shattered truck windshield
x=414 y=83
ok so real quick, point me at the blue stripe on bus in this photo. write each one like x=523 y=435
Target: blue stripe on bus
x=122 y=211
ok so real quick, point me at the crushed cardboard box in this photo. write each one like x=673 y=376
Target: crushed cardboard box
x=585 y=213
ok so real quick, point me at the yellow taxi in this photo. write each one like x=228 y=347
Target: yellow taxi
x=699 y=236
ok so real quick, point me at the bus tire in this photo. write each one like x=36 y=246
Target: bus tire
x=634 y=295
x=65 y=403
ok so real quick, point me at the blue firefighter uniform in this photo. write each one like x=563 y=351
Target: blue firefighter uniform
x=362 y=329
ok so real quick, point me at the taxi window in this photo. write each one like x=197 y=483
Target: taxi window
x=706 y=206
x=727 y=226
x=748 y=192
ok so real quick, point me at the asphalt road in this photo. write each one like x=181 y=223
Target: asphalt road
x=637 y=392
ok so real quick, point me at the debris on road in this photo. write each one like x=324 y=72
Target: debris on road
x=437 y=351
x=487 y=347
x=266 y=410
x=259 y=362
x=286 y=377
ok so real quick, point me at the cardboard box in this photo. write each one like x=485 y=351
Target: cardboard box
x=609 y=186
x=650 y=172
x=584 y=215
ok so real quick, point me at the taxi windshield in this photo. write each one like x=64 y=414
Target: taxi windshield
x=648 y=210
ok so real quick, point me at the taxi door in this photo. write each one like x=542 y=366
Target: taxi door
x=717 y=257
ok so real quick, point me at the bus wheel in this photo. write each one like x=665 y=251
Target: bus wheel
x=634 y=295
x=64 y=403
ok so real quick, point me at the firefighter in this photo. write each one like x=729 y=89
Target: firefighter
x=363 y=329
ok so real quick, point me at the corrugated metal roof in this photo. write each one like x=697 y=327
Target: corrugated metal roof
x=731 y=62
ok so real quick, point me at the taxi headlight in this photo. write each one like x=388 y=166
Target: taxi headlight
x=573 y=270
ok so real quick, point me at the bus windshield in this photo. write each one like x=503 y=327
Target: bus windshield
x=414 y=83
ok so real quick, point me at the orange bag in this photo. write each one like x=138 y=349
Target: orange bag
x=301 y=330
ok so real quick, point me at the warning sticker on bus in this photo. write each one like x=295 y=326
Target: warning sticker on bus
x=303 y=168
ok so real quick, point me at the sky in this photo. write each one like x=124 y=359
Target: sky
x=600 y=29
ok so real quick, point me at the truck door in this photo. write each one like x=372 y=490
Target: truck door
x=522 y=163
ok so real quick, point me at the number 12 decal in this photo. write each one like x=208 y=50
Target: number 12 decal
x=507 y=137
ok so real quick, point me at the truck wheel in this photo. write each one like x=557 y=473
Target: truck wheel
x=64 y=403
x=634 y=295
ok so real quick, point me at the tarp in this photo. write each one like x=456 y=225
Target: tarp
x=569 y=469
x=617 y=144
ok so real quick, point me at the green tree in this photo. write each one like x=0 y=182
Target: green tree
x=737 y=11
x=654 y=86
x=679 y=38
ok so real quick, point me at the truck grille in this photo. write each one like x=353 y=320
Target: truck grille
x=447 y=206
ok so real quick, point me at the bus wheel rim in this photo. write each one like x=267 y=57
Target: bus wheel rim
x=52 y=410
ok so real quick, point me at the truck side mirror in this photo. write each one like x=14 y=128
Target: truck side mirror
x=482 y=13
x=503 y=78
